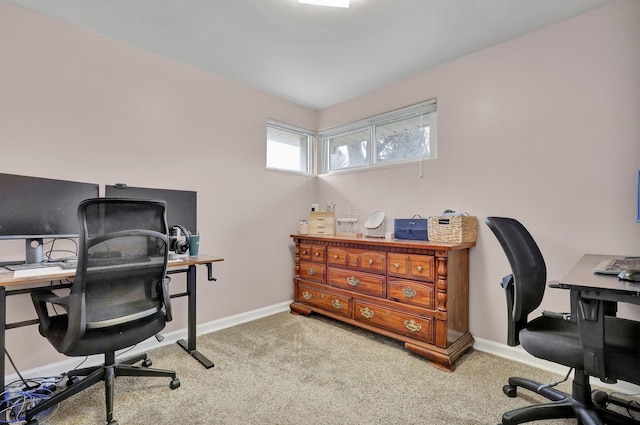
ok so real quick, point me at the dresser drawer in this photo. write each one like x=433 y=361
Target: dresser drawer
x=373 y=261
x=336 y=257
x=312 y=271
x=412 y=266
x=365 y=283
x=411 y=292
x=325 y=300
x=357 y=259
x=407 y=324
x=313 y=253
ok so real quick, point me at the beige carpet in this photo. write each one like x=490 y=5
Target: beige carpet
x=287 y=369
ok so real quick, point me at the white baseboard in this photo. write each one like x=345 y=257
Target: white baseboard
x=56 y=369
x=512 y=353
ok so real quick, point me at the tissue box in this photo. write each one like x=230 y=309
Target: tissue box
x=410 y=228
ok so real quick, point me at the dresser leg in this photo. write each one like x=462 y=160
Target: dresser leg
x=298 y=309
x=444 y=359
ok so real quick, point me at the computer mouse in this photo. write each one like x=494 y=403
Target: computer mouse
x=630 y=275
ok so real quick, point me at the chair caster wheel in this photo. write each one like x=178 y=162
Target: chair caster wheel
x=147 y=363
x=175 y=383
x=600 y=398
x=72 y=381
x=510 y=391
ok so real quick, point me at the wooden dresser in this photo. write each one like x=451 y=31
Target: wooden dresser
x=413 y=291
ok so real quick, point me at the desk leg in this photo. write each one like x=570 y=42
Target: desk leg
x=3 y=323
x=591 y=326
x=190 y=344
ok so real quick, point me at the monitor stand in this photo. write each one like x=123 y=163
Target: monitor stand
x=34 y=251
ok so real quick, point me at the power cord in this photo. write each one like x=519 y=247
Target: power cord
x=632 y=407
x=24 y=394
x=19 y=401
x=553 y=384
x=68 y=251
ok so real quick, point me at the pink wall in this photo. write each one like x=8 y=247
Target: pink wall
x=537 y=128
x=544 y=128
x=75 y=105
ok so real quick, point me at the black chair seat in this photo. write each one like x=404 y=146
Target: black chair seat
x=101 y=340
x=543 y=335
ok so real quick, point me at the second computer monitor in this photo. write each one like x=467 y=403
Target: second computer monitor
x=182 y=205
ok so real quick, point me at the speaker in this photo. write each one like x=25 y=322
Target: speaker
x=176 y=244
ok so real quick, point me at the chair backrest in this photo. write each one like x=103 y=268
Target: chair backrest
x=527 y=267
x=122 y=260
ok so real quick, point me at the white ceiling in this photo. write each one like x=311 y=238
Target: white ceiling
x=314 y=56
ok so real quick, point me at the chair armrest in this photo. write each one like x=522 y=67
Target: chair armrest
x=40 y=298
x=513 y=326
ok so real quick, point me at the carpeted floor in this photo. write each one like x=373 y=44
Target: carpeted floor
x=287 y=369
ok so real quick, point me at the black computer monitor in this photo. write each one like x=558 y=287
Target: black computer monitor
x=182 y=205
x=35 y=208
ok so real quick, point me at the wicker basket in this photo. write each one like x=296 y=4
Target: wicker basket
x=453 y=229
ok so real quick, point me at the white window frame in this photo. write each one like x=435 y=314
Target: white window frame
x=310 y=135
x=427 y=110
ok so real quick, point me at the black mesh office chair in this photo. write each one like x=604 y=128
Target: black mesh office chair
x=556 y=338
x=119 y=296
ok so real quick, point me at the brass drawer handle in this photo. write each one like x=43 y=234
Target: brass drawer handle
x=366 y=313
x=335 y=256
x=396 y=265
x=408 y=292
x=311 y=272
x=419 y=268
x=307 y=295
x=317 y=254
x=351 y=280
x=412 y=325
x=304 y=252
x=337 y=304
x=371 y=262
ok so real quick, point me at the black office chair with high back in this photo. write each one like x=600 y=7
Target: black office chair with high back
x=556 y=337
x=119 y=296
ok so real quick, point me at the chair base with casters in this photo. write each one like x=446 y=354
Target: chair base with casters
x=578 y=404
x=107 y=373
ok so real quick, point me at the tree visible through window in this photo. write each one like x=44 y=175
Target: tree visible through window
x=403 y=135
x=403 y=140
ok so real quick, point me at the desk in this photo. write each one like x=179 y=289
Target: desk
x=10 y=285
x=594 y=296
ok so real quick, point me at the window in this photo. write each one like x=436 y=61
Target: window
x=288 y=147
x=407 y=134
x=349 y=150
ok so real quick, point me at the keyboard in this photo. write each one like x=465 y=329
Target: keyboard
x=30 y=266
x=115 y=261
x=40 y=271
x=616 y=265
